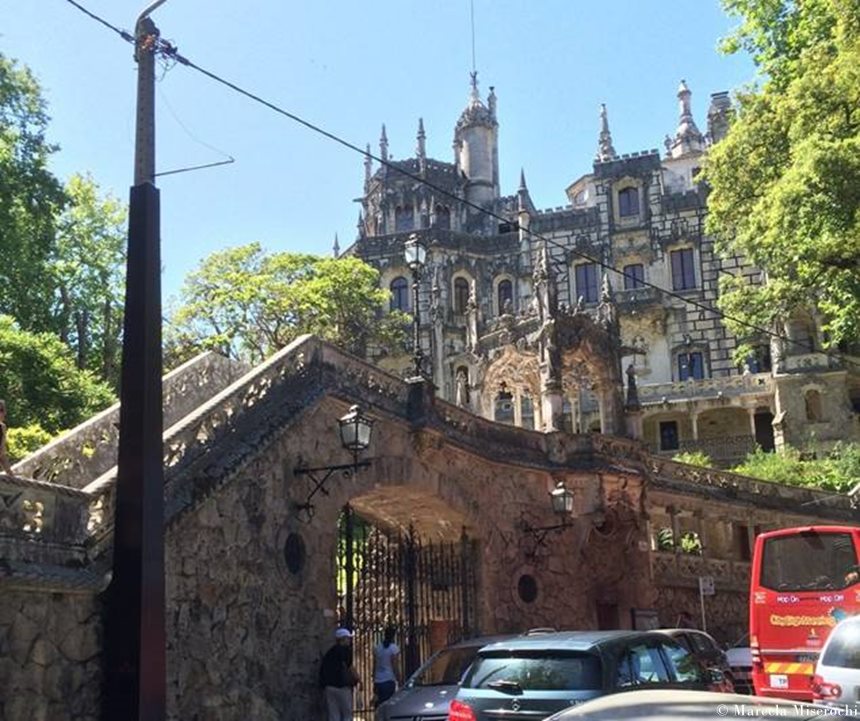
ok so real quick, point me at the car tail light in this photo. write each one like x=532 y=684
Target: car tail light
x=459 y=711
x=823 y=691
x=755 y=651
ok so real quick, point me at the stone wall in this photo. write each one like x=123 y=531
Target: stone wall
x=50 y=646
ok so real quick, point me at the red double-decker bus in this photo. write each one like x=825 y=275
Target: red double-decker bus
x=803 y=582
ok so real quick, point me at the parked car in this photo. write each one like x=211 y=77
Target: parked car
x=740 y=661
x=707 y=651
x=837 y=673
x=427 y=694
x=538 y=676
x=662 y=705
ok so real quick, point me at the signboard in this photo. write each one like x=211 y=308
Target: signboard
x=706 y=585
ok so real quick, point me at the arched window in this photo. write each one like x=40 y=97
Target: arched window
x=628 y=202
x=527 y=412
x=404 y=218
x=504 y=405
x=505 y=297
x=813 y=406
x=399 y=294
x=461 y=295
x=443 y=217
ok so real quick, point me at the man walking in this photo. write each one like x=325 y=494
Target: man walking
x=337 y=677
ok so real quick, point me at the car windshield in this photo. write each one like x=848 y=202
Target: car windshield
x=843 y=648
x=808 y=562
x=537 y=672
x=446 y=668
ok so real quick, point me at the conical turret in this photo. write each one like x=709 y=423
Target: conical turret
x=476 y=146
x=383 y=145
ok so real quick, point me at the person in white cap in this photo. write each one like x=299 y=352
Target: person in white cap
x=338 y=677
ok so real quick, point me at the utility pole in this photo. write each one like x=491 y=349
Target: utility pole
x=135 y=676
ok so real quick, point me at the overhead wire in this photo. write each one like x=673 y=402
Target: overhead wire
x=171 y=51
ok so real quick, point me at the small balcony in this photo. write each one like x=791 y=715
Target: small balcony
x=637 y=297
x=733 y=386
x=723 y=451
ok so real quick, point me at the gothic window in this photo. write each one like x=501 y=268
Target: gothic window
x=505 y=294
x=404 y=218
x=586 y=282
x=504 y=406
x=527 y=412
x=691 y=366
x=813 y=406
x=567 y=416
x=399 y=294
x=683 y=269
x=628 y=202
x=443 y=217
x=669 y=436
x=634 y=276
x=759 y=360
x=461 y=295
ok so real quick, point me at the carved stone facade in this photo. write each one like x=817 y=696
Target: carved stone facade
x=631 y=242
x=248 y=619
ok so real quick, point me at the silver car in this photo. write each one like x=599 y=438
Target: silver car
x=837 y=674
x=428 y=692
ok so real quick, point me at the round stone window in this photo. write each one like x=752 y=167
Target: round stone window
x=527 y=588
x=295 y=553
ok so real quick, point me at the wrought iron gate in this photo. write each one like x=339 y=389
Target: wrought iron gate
x=424 y=589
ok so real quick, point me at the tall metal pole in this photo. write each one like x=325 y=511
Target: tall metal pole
x=417 y=357
x=134 y=636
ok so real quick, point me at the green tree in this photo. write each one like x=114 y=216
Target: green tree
x=42 y=385
x=838 y=470
x=785 y=182
x=88 y=270
x=30 y=198
x=248 y=303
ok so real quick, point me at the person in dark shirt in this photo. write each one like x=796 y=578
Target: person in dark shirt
x=337 y=677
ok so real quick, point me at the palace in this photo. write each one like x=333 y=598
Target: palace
x=539 y=318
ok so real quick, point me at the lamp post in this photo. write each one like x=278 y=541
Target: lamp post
x=415 y=254
x=355 y=431
x=561 y=501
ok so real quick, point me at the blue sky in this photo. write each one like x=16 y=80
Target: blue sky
x=349 y=67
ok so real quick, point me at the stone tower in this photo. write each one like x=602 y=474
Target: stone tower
x=476 y=148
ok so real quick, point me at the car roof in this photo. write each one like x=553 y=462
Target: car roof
x=478 y=641
x=560 y=641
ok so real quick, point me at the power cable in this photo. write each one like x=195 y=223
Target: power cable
x=170 y=50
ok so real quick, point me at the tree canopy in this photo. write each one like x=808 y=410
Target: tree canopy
x=42 y=385
x=785 y=182
x=30 y=198
x=248 y=303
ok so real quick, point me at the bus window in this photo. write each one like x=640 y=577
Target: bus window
x=808 y=561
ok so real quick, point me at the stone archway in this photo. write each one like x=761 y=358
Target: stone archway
x=404 y=559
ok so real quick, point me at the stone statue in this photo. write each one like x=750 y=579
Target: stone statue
x=508 y=307
x=462 y=391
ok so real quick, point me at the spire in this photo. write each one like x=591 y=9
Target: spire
x=475 y=96
x=524 y=201
x=368 y=167
x=421 y=149
x=687 y=137
x=360 y=225
x=605 y=151
x=523 y=186
x=491 y=102
x=336 y=247
x=383 y=145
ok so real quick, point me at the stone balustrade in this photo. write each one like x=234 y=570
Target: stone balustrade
x=733 y=386
x=722 y=449
x=89 y=450
x=684 y=569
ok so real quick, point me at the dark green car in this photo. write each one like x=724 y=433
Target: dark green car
x=534 y=677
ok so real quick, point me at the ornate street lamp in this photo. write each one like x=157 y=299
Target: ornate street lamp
x=561 y=500
x=355 y=430
x=415 y=254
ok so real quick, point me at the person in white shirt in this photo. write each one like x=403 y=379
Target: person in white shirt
x=385 y=677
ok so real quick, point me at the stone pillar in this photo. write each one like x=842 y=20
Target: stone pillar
x=676 y=528
x=552 y=403
x=751 y=413
x=702 y=530
x=694 y=422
